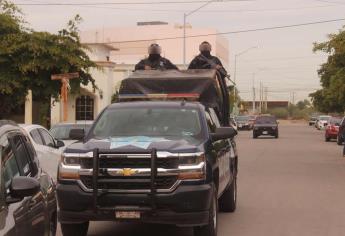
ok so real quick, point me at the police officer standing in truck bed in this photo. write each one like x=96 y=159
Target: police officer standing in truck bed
x=155 y=61
x=206 y=61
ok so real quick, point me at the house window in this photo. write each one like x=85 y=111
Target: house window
x=84 y=108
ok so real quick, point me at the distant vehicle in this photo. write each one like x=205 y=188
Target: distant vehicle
x=322 y=122
x=62 y=131
x=341 y=138
x=48 y=149
x=265 y=125
x=233 y=123
x=312 y=120
x=251 y=121
x=27 y=194
x=243 y=122
x=332 y=129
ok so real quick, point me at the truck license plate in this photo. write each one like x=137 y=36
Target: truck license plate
x=265 y=132
x=127 y=215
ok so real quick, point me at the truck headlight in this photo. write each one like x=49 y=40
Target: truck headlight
x=67 y=172
x=186 y=160
x=69 y=166
x=192 y=167
x=71 y=160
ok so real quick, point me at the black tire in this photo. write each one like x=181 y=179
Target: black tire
x=53 y=225
x=255 y=135
x=75 y=229
x=276 y=135
x=327 y=139
x=227 y=202
x=212 y=227
x=339 y=140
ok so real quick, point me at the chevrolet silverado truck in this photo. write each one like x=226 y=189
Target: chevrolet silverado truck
x=163 y=158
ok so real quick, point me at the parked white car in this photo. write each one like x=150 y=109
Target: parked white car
x=61 y=131
x=48 y=149
x=322 y=122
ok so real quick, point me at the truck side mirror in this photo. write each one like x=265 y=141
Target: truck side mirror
x=22 y=186
x=59 y=144
x=223 y=133
x=76 y=134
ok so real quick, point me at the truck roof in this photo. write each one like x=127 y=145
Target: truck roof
x=174 y=74
x=147 y=104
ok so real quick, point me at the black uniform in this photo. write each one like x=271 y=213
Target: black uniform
x=344 y=142
x=207 y=62
x=156 y=62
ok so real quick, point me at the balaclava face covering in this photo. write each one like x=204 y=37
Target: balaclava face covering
x=205 y=49
x=206 y=53
x=154 y=57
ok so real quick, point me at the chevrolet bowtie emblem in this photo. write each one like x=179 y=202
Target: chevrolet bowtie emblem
x=128 y=172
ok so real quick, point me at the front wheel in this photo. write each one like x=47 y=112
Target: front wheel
x=75 y=229
x=211 y=228
x=53 y=225
x=227 y=202
x=339 y=140
x=327 y=139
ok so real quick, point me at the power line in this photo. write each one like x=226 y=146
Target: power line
x=203 y=11
x=231 y=32
x=334 y=3
x=121 y=3
x=286 y=58
x=218 y=11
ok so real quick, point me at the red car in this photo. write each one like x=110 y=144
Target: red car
x=332 y=129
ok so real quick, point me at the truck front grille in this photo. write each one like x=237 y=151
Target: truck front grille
x=129 y=183
x=120 y=162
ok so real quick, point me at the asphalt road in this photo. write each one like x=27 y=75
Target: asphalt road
x=291 y=186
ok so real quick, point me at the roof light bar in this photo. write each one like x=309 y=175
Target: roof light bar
x=166 y=96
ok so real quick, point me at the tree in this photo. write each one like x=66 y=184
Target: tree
x=331 y=98
x=10 y=86
x=29 y=58
x=303 y=104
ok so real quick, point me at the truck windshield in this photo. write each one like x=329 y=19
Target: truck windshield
x=170 y=123
x=265 y=120
x=242 y=118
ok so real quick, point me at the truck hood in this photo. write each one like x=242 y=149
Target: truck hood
x=136 y=143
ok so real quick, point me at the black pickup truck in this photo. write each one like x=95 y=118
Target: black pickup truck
x=166 y=162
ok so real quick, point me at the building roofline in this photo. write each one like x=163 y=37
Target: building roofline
x=106 y=45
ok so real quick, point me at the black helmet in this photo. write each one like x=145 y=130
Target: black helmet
x=205 y=47
x=154 y=49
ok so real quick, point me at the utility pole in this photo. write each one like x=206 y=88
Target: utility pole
x=261 y=96
x=266 y=95
x=185 y=15
x=254 y=99
x=235 y=70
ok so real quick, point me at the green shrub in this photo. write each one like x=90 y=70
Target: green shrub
x=280 y=113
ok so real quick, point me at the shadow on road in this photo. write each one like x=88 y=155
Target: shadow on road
x=112 y=228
